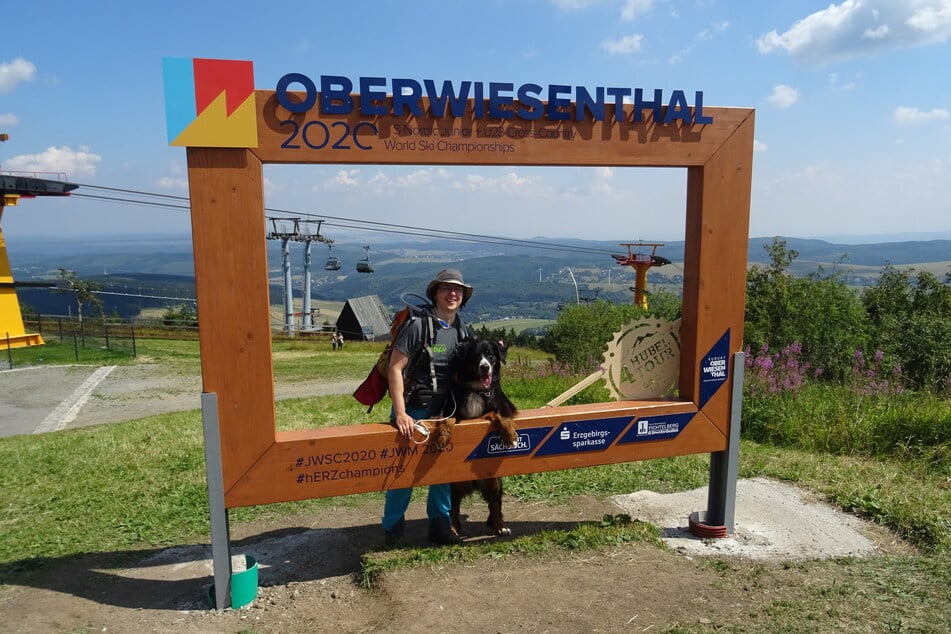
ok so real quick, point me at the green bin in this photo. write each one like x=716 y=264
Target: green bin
x=244 y=585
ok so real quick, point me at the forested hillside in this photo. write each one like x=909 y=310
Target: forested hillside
x=532 y=280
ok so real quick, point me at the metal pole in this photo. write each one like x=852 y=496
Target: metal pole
x=724 y=465
x=288 y=291
x=305 y=311
x=132 y=331
x=220 y=540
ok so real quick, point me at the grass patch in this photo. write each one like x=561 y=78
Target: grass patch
x=54 y=352
x=835 y=419
x=141 y=484
x=612 y=531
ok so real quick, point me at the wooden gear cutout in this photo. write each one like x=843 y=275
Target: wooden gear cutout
x=643 y=360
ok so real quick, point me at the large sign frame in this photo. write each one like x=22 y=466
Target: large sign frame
x=260 y=465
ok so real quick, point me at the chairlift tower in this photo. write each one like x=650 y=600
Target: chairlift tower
x=285 y=230
x=307 y=233
x=640 y=262
x=13 y=187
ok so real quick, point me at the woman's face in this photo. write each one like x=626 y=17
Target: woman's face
x=449 y=296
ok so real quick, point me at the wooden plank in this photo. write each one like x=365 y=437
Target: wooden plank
x=313 y=137
x=344 y=460
x=227 y=211
x=718 y=202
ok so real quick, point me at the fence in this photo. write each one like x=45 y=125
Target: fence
x=93 y=333
x=120 y=335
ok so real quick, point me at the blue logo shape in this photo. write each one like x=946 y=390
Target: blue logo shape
x=492 y=447
x=584 y=435
x=662 y=427
x=713 y=368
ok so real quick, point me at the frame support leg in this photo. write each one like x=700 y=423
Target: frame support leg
x=220 y=536
x=724 y=465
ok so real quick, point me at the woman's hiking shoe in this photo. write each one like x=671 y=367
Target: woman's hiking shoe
x=396 y=535
x=441 y=533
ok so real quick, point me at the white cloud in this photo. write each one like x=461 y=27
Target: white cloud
x=878 y=33
x=903 y=115
x=758 y=146
x=8 y=119
x=603 y=177
x=633 y=9
x=12 y=73
x=783 y=96
x=74 y=163
x=861 y=27
x=508 y=183
x=836 y=84
x=172 y=182
x=623 y=46
x=713 y=30
x=344 y=179
x=417 y=179
x=573 y=5
x=705 y=35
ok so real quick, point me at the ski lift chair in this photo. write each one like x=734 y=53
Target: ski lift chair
x=333 y=262
x=364 y=266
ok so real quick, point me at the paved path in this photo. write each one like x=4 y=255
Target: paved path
x=51 y=398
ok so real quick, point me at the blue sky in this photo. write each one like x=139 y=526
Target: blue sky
x=852 y=99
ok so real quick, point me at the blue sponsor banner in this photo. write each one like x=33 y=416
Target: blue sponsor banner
x=492 y=447
x=662 y=427
x=584 y=435
x=713 y=369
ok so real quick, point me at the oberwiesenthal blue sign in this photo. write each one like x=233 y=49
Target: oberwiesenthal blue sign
x=713 y=368
x=492 y=100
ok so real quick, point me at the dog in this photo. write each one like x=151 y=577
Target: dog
x=477 y=393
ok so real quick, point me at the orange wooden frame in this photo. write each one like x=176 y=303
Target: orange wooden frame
x=261 y=465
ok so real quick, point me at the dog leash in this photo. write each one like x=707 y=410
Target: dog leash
x=420 y=425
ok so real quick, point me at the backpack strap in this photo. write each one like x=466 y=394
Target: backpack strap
x=429 y=338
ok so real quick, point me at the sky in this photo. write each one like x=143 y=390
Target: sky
x=852 y=100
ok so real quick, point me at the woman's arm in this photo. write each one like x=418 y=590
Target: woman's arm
x=404 y=422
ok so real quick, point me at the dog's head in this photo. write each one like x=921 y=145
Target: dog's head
x=479 y=363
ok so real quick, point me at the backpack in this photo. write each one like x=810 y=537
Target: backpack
x=376 y=385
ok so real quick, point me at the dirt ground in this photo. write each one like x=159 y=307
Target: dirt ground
x=309 y=566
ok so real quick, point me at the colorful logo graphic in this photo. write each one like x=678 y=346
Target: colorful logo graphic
x=210 y=103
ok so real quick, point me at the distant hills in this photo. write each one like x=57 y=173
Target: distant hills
x=511 y=280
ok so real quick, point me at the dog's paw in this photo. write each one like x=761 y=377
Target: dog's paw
x=443 y=434
x=509 y=435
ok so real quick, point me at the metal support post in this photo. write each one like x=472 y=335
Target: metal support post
x=288 y=290
x=220 y=538
x=306 y=323
x=724 y=465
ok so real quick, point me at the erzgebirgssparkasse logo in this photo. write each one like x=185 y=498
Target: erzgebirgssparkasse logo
x=210 y=102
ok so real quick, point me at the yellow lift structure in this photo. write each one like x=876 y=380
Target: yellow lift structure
x=12 y=189
x=640 y=262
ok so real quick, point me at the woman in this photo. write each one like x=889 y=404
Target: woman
x=416 y=395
